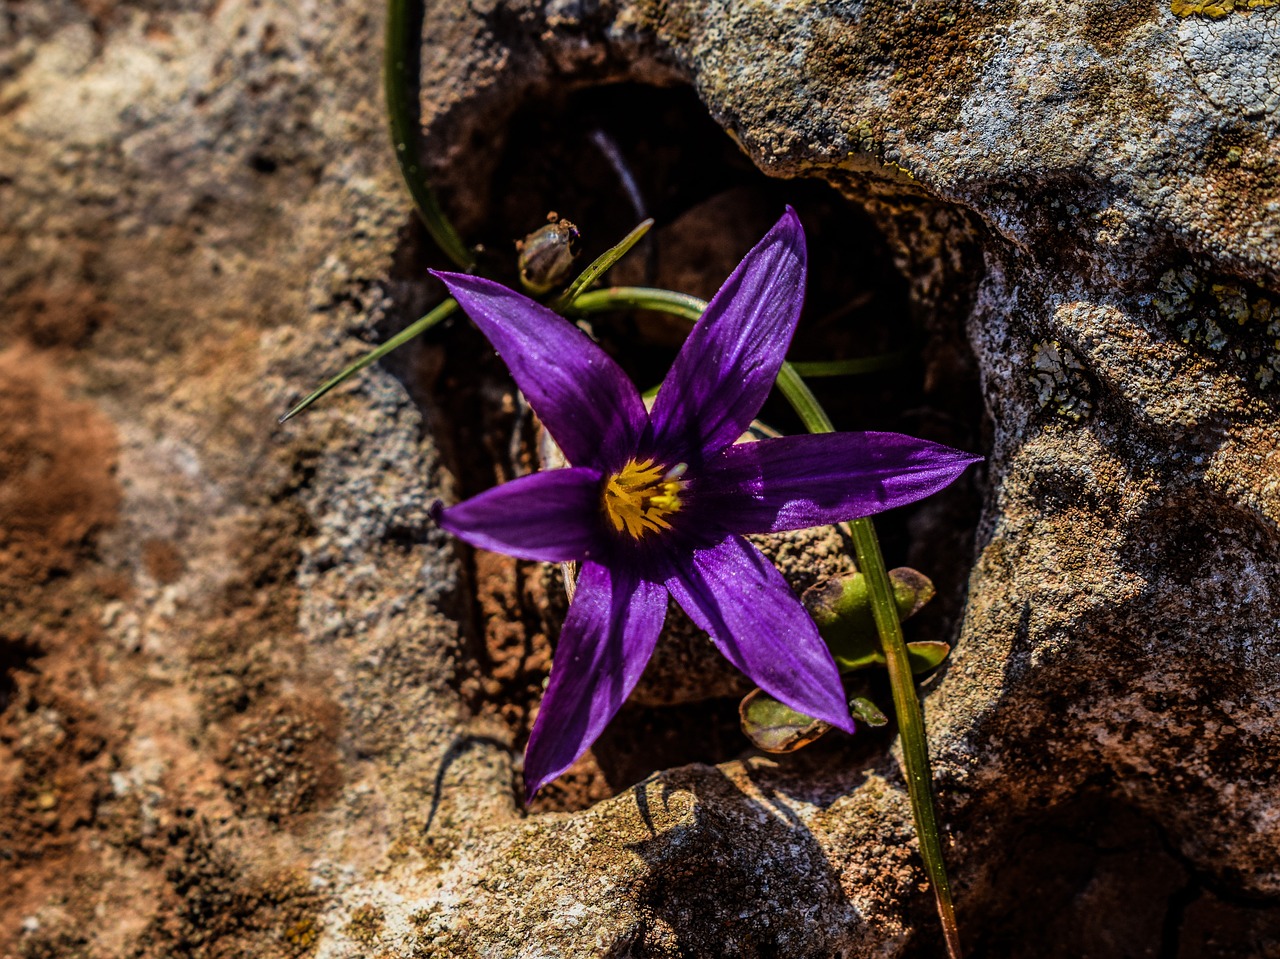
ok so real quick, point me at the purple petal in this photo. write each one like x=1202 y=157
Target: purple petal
x=582 y=397
x=604 y=646
x=728 y=364
x=553 y=516
x=737 y=596
x=799 y=481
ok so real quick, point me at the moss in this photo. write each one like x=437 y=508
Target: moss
x=366 y=925
x=936 y=50
x=1107 y=25
x=1241 y=174
x=216 y=908
x=54 y=944
x=434 y=938
x=283 y=761
x=302 y=933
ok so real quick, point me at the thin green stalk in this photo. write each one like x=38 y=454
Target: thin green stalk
x=915 y=748
x=600 y=266
x=807 y=407
x=854 y=367
x=441 y=312
x=866 y=546
x=640 y=298
x=400 y=64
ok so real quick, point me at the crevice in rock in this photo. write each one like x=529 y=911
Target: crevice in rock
x=710 y=205
x=1089 y=877
x=16 y=655
x=1175 y=917
x=1097 y=876
x=1207 y=917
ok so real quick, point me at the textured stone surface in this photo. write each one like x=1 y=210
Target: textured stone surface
x=252 y=704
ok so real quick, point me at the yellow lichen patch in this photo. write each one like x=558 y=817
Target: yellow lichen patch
x=1227 y=317
x=640 y=496
x=1217 y=8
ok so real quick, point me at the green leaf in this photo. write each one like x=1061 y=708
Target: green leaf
x=842 y=609
x=865 y=711
x=925 y=656
x=441 y=312
x=600 y=266
x=776 y=727
x=850 y=658
x=912 y=589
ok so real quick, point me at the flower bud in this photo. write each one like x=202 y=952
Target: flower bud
x=546 y=254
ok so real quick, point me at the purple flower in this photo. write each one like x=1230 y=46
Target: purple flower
x=655 y=504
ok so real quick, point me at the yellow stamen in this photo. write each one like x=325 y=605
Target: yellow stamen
x=640 y=496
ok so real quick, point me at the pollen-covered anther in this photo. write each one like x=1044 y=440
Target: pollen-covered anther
x=640 y=496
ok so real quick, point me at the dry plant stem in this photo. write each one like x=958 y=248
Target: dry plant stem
x=400 y=86
x=866 y=546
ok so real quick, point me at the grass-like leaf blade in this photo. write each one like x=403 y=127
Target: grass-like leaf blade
x=852 y=367
x=441 y=312
x=400 y=65
x=600 y=265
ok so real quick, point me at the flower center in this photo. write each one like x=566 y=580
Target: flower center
x=640 y=496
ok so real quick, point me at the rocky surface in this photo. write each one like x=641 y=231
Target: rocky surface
x=253 y=704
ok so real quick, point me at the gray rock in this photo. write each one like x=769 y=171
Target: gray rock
x=256 y=704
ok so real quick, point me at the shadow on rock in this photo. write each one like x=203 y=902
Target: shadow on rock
x=732 y=875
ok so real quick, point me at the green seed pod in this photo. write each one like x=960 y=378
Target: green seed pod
x=546 y=255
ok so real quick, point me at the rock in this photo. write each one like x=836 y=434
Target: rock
x=254 y=703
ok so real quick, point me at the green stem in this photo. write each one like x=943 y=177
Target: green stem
x=854 y=367
x=915 y=749
x=400 y=64
x=640 y=298
x=441 y=312
x=807 y=407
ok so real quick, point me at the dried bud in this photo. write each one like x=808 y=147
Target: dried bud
x=546 y=254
